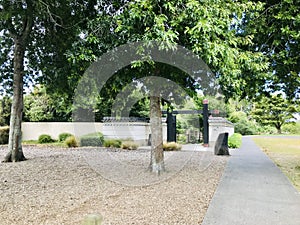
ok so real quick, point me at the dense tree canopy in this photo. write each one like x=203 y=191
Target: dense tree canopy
x=211 y=29
x=277 y=36
x=274 y=111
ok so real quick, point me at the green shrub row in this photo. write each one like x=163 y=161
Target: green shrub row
x=235 y=140
x=4 y=134
x=93 y=139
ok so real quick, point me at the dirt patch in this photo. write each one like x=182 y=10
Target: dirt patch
x=61 y=186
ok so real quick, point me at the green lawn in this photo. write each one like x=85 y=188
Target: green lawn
x=285 y=152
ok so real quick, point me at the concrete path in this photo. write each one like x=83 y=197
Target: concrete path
x=253 y=191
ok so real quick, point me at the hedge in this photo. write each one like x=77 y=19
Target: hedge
x=94 y=139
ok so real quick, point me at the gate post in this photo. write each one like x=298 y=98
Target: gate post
x=171 y=127
x=205 y=123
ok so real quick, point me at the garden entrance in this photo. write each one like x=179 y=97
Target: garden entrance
x=171 y=122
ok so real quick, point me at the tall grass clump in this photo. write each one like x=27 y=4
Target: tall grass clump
x=71 y=142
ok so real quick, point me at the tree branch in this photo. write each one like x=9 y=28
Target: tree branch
x=52 y=16
x=27 y=22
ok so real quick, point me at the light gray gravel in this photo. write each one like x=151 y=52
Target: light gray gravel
x=61 y=186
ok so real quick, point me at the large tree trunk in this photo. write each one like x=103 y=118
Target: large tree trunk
x=15 y=134
x=278 y=129
x=20 y=35
x=157 y=153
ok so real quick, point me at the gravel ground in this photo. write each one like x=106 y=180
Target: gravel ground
x=62 y=186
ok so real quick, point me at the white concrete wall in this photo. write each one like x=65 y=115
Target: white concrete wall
x=32 y=130
x=118 y=130
x=218 y=125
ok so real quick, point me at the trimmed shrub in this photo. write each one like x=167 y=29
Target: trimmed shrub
x=45 y=138
x=63 y=136
x=112 y=143
x=71 y=142
x=4 y=134
x=235 y=140
x=129 y=145
x=171 y=146
x=94 y=139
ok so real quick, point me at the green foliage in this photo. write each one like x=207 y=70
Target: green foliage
x=246 y=127
x=54 y=27
x=94 y=139
x=4 y=135
x=71 y=141
x=63 y=136
x=181 y=139
x=274 y=111
x=242 y=124
x=5 y=107
x=235 y=140
x=277 y=36
x=267 y=130
x=129 y=145
x=39 y=106
x=291 y=128
x=171 y=146
x=236 y=116
x=112 y=143
x=45 y=138
x=208 y=29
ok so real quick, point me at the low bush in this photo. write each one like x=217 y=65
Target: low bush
x=71 y=142
x=45 y=138
x=267 y=130
x=291 y=128
x=181 y=138
x=112 y=143
x=129 y=145
x=245 y=127
x=171 y=146
x=63 y=136
x=4 y=134
x=235 y=140
x=94 y=139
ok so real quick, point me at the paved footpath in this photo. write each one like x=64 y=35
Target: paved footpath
x=253 y=191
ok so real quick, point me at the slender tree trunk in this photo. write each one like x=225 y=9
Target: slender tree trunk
x=21 y=38
x=157 y=153
x=15 y=134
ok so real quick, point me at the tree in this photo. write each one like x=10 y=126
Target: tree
x=39 y=106
x=210 y=29
x=35 y=34
x=277 y=36
x=274 y=111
